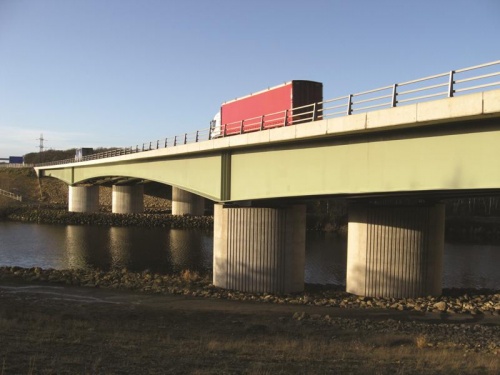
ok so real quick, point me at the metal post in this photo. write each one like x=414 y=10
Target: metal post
x=197 y=136
x=394 y=94
x=349 y=105
x=314 y=115
x=166 y=142
x=175 y=141
x=262 y=122
x=150 y=144
x=241 y=126
x=285 y=120
x=451 y=82
x=157 y=144
x=185 y=138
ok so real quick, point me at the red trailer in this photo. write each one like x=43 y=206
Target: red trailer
x=290 y=103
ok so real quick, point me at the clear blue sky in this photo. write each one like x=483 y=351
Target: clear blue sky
x=103 y=73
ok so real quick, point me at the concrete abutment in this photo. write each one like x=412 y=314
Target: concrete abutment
x=395 y=251
x=259 y=249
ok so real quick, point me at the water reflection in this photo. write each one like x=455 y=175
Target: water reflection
x=87 y=247
x=173 y=250
x=326 y=259
x=190 y=250
x=475 y=266
x=138 y=249
x=25 y=245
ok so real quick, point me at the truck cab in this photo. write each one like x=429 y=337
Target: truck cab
x=215 y=127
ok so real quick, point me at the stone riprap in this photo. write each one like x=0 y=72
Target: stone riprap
x=463 y=335
x=453 y=301
x=470 y=337
x=152 y=220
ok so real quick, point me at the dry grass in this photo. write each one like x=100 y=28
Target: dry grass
x=54 y=336
x=421 y=341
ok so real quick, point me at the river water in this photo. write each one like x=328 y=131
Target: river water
x=173 y=250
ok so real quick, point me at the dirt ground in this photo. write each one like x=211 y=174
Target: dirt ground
x=51 y=329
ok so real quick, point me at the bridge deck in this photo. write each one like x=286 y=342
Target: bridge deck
x=447 y=144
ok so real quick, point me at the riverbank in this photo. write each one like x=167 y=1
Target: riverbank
x=151 y=218
x=54 y=327
x=452 y=301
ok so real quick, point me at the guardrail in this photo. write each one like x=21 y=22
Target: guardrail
x=8 y=194
x=443 y=85
x=12 y=165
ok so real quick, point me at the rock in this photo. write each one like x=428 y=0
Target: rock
x=300 y=315
x=441 y=306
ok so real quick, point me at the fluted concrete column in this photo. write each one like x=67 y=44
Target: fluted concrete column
x=186 y=203
x=127 y=199
x=395 y=251
x=83 y=198
x=259 y=249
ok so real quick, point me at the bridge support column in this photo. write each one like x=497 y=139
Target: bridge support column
x=395 y=251
x=127 y=199
x=259 y=249
x=83 y=198
x=186 y=203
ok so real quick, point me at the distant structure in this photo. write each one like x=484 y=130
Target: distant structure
x=13 y=160
x=41 y=139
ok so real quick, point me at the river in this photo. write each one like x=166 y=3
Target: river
x=173 y=250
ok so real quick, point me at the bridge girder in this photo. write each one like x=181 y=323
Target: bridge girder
x=449 y=145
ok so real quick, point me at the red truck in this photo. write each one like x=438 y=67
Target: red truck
x=290 y=103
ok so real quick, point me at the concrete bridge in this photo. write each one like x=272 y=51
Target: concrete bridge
x=393 y=164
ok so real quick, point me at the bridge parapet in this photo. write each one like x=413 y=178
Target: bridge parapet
x=447 y=84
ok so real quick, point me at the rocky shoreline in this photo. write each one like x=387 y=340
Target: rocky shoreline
x=452 y=301
x=150 y=219
x=450 y=331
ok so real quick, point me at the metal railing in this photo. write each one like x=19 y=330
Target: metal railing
x=12 y=165
x=444 y=85
x=8 y=194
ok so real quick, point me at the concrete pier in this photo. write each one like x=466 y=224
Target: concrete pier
x=186 y=203
x=395 y=251
x=259 y=249
x=83 y=198
x=128 y=199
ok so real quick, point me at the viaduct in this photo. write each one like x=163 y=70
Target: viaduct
x=394 y=165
